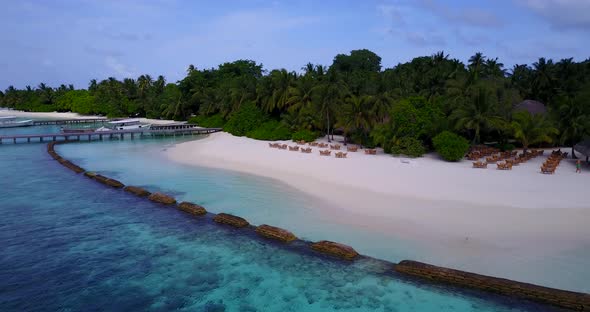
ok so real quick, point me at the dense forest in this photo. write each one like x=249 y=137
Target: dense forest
x=430 y=102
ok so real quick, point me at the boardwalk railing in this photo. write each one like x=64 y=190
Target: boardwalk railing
x=173 y=126
x=100 y=135
x=68 y=121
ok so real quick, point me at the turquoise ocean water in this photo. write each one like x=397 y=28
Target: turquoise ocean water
x=69 y=244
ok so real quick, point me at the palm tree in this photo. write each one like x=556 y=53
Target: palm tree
x=92 y=86
x=520 y=78
x=130 y=88
x=477 y=114
x=575 y=124
x=301 y=94
x=381 y=105
x=309 y=69
x=46 y=93
x=476 y=64
x=532 y=129
x=326 y=95
x=567 y=78
x=439 y=57
x=159 y=84
x=190 y=69
x=543 y=79
x=356 y=115
x=144 y=83
x=494 y=68
x=282 y=87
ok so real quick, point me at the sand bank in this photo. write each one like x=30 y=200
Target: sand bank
x=69 y=115
x=49 y=115
x=472 y=219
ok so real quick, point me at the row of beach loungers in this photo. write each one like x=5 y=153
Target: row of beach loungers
x=478 y=152
x=509 y=159
x=550 y=165
x=326 y=152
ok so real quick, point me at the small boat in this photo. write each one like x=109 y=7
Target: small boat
x=124 y=124
x=12 y=122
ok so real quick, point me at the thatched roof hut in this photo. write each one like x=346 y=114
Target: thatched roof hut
x=583 y=147
x=531 y=106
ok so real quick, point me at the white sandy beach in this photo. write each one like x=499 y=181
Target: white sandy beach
x=48 y=115
x=471 y=215
x=69 y=115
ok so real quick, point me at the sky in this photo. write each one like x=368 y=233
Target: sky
x=73 y=41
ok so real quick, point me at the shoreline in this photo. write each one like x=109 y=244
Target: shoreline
x=70 y=115
x=468 y=233
x=407 y=268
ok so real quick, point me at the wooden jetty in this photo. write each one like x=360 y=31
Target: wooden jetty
x=68 y=121
x=100 y=135
x=173 y=126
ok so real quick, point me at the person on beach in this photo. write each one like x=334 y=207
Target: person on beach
x=579 y=166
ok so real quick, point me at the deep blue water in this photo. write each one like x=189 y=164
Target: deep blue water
x=70 y=244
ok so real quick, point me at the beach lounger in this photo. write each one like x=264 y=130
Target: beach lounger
x=352 y=148
x=370 y=151
x=491 y=159
x=284 y=146
x=293 y=148
x=340 y=155
x=306 y=150
x=325 y=153
x=335 y=146
x=313 y=144
x=480 y=165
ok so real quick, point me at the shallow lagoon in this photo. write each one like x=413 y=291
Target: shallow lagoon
x=266 y=201
x=72 y=244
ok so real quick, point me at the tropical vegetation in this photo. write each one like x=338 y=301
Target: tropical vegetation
x=401 y=108
x=450 y=146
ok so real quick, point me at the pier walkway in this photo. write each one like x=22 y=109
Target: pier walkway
x=68 y=121
x=100 y=135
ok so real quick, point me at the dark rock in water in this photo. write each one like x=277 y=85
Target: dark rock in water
x=275 y=233
x=100 y=178
x=113 y=183
x=232 y=220
x=335 y=249
x=104 y=180
x=137 y=191
x=72 y=167
x=162 y=199
x=191 y=208
x=561 y=298
x=90 y=174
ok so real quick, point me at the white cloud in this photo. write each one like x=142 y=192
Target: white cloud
x=47 y=62
x=258 y=34
x=400 y=21
x=118 y=68
x=466 y=16
x=562 y=14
